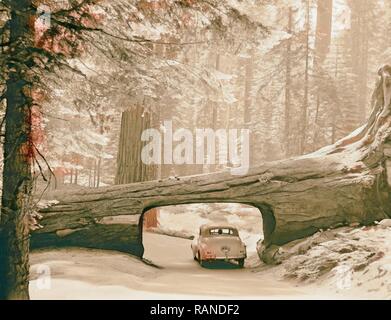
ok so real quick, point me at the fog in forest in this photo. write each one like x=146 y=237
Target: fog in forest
x=300 y=79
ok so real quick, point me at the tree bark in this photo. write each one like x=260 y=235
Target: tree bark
x=303 y=136
x=18 y=152
x=99 y=172
x=248 y=87
x=360 y=34
x=322 y=48
x=288 y=82
x=323 y=29
x=94 y=173
x=130 y=167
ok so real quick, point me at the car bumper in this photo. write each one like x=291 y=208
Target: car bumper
x=225 y=258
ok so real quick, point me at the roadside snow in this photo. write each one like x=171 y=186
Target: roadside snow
x=345 y=261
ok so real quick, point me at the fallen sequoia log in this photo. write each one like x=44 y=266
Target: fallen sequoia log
x=348 y=182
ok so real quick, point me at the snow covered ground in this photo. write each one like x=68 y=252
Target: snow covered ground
x=94 y=274
x=354 y=262
x=346 y=263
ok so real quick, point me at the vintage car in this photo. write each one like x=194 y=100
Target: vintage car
x=218 y=242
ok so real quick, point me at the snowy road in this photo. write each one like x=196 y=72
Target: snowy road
x=94 y=274
x=222 y=280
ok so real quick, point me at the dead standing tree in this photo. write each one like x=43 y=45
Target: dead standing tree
x=340 y=184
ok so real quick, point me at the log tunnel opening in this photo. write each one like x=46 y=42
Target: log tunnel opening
x=166 y=231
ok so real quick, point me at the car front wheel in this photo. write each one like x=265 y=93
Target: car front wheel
x=200 y=259
x=241 y=262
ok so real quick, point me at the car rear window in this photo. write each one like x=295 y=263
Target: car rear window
x=222 y=231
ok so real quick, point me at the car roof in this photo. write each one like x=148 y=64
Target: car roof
x=217 y=226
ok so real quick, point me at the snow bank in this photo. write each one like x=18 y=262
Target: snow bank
x=346 y=261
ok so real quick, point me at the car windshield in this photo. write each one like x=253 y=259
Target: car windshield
x=222 y=231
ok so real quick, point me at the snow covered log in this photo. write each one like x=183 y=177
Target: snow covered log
x=347 y=182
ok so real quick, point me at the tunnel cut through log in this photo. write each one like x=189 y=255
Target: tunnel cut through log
x=267 y=227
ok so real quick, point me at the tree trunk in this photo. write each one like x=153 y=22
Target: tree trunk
x=347 y=182
x=99 y=172
x=248 y=79
x=90 y=176
x=130 y=167
x=359 y=34
x=248 y=85
x=323 y=29
x=215 y=106
x=94 y=173
x=322 y=48
x=336 y=107
x=288 y=81
x=303 y=120
x=18 y=152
